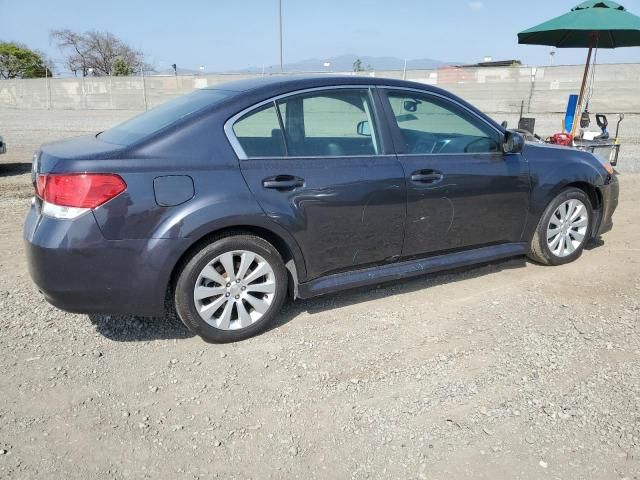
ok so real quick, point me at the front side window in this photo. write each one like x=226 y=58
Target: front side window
x=430 y=125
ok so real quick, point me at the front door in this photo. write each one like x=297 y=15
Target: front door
x=314 y=162
x=462 y=190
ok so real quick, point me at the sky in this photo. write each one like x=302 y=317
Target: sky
x=224 y=35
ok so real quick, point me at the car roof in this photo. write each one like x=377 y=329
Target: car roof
x=253 y=90
x=293 y=82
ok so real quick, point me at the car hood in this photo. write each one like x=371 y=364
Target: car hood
x=556 y=151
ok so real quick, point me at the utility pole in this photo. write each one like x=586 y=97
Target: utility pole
x=46 y=84
x=280 y=15
x=144 y=89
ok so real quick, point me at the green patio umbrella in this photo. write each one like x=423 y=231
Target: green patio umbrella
x=592 y=24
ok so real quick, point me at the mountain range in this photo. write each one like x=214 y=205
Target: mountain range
x=344 y=63
x=341 y=63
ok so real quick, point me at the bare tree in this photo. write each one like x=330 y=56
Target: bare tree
x=77 y=60
x=95 y=52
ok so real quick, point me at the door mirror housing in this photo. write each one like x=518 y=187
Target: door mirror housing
x=513 y=142
x=410 y=105
x=363 y=128
x=504 y=124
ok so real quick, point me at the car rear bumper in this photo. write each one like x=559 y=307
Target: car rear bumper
x=80 y=271
x=610 y=192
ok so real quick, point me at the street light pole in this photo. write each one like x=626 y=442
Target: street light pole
x=280 y=16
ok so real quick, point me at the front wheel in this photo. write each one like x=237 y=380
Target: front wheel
x=231 y=289
x=563 y=230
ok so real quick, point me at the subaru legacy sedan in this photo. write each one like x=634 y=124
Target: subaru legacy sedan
x=221 y=203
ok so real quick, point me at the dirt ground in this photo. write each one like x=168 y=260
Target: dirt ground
x=510 y=370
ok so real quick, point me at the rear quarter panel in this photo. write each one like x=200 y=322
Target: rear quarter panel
x=221 y=199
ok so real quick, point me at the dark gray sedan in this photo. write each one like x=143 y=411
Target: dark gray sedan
x=220 y=203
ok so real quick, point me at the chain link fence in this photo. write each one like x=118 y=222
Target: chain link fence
x=616 y=88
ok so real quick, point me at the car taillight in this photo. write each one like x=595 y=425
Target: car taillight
x=79 y=190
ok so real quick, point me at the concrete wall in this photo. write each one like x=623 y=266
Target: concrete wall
x=540 y=89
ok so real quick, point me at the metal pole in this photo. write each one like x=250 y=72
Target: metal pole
x=84 y=94
x=404 y=70
x=46 y=84
x=576 y=116
x=110 y=91
x=280 y=14
x=144 y=90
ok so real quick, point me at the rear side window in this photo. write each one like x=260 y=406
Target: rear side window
x=259 y=133
x=146 y=124
x=327 y=123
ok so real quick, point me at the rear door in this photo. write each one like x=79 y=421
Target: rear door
x=462 y=190
x=317 y=165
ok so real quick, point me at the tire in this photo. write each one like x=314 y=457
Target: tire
x=574 y=231
x=228 y=307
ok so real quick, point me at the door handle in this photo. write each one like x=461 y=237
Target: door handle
x=426 y=177
x=283 y=182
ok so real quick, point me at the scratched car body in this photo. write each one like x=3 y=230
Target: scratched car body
x=221 y=203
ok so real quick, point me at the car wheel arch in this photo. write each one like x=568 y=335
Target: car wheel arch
x=290 y=253
x=547 y=184
x=592 y=191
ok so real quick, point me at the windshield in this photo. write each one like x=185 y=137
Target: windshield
x=148 y=123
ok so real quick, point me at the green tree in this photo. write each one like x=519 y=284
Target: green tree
x=357 y=66
x=120 y=68
x=18 y=61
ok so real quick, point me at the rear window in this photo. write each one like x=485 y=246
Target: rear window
x=154 y=120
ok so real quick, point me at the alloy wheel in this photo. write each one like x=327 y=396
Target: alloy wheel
x=234 y=290
x=567 y=228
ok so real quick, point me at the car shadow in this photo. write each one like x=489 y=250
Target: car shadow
x=127 y=328
x=123 y=328
x=594 y=243
x=389 y=289
x=14 y=169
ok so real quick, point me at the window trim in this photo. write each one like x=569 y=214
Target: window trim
x=395 y=129
x=240 y=153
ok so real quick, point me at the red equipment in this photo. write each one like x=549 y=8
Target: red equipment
x=561 y=139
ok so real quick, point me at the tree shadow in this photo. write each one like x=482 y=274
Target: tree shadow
x=14 y=169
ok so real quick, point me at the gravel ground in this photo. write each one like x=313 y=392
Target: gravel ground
x=510 y=370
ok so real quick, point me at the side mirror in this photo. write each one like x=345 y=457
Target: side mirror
x=513 y=142
x=410 y=105
x=363 y=128
x=504 y=124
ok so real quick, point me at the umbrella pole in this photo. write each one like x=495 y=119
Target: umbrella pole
x=576 y=116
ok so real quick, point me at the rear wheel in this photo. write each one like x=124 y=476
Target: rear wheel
x=231 y=289
x=563 y=230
